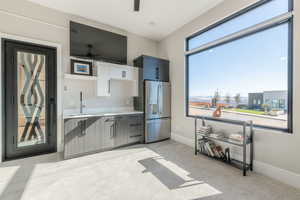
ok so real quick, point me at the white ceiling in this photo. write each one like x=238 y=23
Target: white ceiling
x=156 y=19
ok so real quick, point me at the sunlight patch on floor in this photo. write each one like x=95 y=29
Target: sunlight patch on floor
x=187 y=187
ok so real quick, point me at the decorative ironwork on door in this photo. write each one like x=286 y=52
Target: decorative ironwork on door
x=31 y=99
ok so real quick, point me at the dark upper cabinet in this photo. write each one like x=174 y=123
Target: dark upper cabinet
x=153 y=68
x=163 y=74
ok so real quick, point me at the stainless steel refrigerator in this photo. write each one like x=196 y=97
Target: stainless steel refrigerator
x=157 y=111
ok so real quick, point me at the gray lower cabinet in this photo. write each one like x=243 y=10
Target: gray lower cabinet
x=87 y=135
x=107 y=124
x=81 y=136
x=72 y=142
x=121 y=135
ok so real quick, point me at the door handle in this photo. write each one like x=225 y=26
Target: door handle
x=159 y=100
x=12 y=100
x=158 y=95
x=51 y=120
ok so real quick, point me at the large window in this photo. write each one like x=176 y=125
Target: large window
x=243 y=68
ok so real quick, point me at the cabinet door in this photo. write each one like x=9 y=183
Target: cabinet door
x=150 y=68
x=103 y=82
x=99 y=133
x=121 y=131
x=108 y=134
x=135 y=129
x=74 y=140
x=116 y=72
x=163 y=66
x=90 y=135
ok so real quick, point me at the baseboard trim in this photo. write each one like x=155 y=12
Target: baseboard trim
x=182 y=139
x=282 y=175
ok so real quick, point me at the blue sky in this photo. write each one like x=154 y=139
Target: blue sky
x=255 y=63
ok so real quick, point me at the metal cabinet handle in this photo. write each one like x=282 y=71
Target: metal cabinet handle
x=134 y=136
x=108 y=86
x=111 y=133
x=133 y=125
x=83 y=130
x=82 y=125
x=115 y=129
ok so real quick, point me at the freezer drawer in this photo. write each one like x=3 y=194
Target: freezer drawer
x=157 y=129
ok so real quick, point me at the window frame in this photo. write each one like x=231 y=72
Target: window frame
x=189 y=52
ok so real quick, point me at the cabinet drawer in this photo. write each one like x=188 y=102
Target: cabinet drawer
x=135 y=129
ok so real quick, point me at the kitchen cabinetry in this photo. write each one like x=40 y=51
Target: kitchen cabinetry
x=94 y=134
x=153 y=68
x=107 y=72
x=81 y=136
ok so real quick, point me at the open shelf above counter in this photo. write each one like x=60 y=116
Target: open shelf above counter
x=107 y=74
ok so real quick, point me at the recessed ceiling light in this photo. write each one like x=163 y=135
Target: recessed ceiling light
x=152 y=23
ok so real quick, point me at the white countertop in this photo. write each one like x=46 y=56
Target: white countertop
x=100 y=114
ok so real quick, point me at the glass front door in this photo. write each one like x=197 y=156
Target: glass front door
x=30 y=73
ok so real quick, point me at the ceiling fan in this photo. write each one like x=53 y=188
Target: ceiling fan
x=136 y=5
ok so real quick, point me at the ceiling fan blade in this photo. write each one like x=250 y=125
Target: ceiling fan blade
x=136 y=5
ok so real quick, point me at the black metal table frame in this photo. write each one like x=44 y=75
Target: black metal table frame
x=246 y=142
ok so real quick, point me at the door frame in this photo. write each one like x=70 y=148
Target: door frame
x=59 y=91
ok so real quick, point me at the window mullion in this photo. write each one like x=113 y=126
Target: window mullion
x=256 y=28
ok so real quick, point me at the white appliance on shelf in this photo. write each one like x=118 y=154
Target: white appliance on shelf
x=157 y=111
x=108 y=72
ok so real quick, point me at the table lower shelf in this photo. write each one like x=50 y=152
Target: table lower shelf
x=233 y=162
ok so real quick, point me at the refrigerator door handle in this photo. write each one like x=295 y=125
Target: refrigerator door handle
x=160 y=99
x=158 y=94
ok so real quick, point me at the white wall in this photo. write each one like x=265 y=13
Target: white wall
x=23 y=18
x=121 y=96
x=19 y=17
x=275 y=148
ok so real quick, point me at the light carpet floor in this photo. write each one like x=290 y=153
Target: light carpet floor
x=160 y=171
